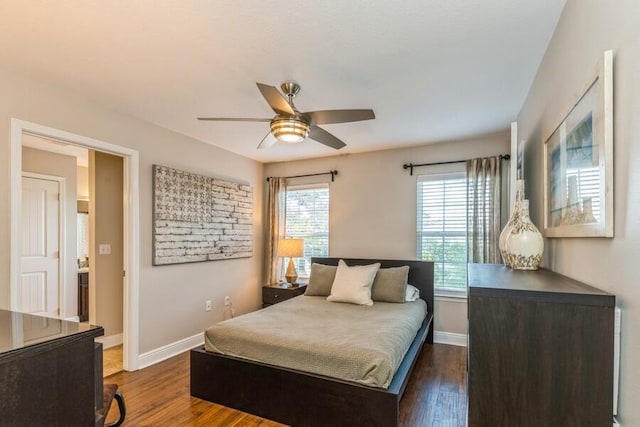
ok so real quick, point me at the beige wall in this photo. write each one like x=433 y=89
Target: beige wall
x=83 y=182
x=373 y=203
x=47 y=163
x=171 y=297
x=106 y=227
x=585 y=30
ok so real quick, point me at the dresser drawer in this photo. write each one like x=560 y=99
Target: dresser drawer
x=274 y=295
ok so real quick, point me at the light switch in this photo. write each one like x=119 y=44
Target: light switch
x=104 y=249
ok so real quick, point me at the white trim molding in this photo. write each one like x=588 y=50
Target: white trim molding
x=131 y=259
x=167 y=351
x=450 y=338
x=458 y=299
x=110 y=341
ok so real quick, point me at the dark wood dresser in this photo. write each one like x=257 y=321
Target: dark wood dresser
x=540 y=350
x=49 y=375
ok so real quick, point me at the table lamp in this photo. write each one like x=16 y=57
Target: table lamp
x=291 y=248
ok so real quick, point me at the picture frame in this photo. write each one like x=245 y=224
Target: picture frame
x=198 y=218
x=578 y=162
x=513 y=170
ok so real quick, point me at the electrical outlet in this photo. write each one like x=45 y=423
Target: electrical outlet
x=207 y=305
x=104 y=249
x=227 y=301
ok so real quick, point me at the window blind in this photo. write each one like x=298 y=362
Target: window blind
x=442 y=228
x=307 y=217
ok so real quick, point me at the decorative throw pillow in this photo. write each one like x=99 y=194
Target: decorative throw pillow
x=321 y=279
x=412 y=294
x=390 y=284
x=353 y=284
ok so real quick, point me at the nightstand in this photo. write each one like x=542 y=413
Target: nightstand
x=273 y=294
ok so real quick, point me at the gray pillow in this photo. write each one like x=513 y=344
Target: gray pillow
x=321 y=280
x=390 y=284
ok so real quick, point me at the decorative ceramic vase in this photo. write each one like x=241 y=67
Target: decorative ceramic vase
x=523 y=245
x=507 y=228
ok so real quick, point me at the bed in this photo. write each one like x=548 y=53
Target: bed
x=299 y=398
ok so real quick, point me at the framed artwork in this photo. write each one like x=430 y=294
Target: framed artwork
x=578 y=163
x=520 y=159
x=199 y=218
x=513 y=167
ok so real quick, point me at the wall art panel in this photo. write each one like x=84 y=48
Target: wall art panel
x=199 y=218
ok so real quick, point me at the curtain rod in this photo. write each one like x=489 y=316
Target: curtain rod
x=333 y=173
x=410 y=166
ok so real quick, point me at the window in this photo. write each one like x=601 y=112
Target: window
x=307 y=217
x=442 y=229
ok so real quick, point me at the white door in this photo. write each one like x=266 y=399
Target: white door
x=40 y=247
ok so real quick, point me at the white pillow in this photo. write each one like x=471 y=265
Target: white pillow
x=412 y=293
x=353 y=284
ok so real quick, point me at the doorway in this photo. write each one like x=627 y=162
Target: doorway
x=130 y=246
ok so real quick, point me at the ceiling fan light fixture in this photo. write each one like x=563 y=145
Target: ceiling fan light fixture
x=289 y=130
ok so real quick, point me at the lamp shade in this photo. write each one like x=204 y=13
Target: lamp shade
x=291 y=247
x=289 y=130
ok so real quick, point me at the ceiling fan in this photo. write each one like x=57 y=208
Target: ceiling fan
x=291 y=126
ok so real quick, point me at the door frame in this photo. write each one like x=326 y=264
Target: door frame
x=62 y=242
x=131 y=205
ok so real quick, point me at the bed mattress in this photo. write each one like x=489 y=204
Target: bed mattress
x=307 y=333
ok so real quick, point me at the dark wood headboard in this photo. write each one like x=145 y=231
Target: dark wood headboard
x=420 y=273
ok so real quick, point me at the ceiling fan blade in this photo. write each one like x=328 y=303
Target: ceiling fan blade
x=233 y=119
x=324 y=137
x=267 y=141
x=275 y=100
x=325 y=117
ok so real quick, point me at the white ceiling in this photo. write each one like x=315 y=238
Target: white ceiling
x=432 y=70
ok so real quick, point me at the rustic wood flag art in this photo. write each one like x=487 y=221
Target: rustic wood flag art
x=199 y=218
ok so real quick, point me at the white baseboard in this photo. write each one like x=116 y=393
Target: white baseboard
x=450 y=338
x=110 y=341
x=166 y=351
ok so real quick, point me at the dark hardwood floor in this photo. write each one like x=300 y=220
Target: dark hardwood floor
x=159 y=395
x=436 y=395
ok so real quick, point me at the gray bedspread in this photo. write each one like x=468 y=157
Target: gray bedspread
x=350 y=342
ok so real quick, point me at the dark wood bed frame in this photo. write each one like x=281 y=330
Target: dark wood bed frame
x=304 y=399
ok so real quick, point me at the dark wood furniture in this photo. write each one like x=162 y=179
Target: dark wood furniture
x=540 y=350
x=48 y=371
x=83 y=296
x=273 y=294
x=267 y=390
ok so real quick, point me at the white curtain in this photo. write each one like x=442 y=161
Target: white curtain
x=483 y=209
x=275 y=227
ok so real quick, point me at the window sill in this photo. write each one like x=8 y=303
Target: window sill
x=451 y=297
